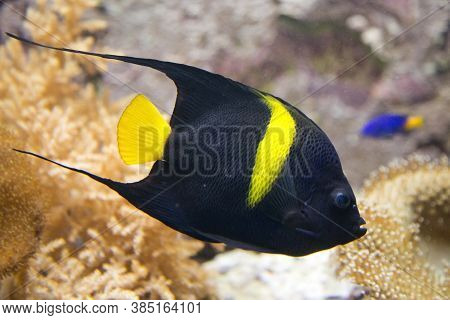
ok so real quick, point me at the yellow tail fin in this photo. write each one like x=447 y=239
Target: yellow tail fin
x=142 y=132
x=413 y=122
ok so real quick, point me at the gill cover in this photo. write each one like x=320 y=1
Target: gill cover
x=141 y=132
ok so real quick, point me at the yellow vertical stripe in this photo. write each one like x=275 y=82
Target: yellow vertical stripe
x=272 y=151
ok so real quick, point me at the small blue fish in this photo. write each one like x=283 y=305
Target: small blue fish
x=388 y=124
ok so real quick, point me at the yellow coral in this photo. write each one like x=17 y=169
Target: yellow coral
x=127 y=254
x=21 y=208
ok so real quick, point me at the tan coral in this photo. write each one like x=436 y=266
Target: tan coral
x=404 y=201
x=388 y=261
x=416 y=189
x=21 y=207
x=127 y=254
x=127 y=257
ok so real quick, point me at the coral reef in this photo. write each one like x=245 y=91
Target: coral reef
x=21 y=207
x=93 y=245
x=402 y=202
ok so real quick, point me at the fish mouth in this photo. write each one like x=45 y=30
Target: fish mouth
x=358 y=230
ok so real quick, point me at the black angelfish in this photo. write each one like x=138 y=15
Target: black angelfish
x=235 y=165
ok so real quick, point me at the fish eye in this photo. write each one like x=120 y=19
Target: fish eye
x=341 y=200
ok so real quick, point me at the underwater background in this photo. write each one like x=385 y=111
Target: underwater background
x=340 y=62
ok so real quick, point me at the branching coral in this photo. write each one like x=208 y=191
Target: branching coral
x=402 y=201
x=93 y=246
x=20 y=210
x=134 y=258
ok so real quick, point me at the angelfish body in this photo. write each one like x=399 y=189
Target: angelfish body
x=234 y=165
